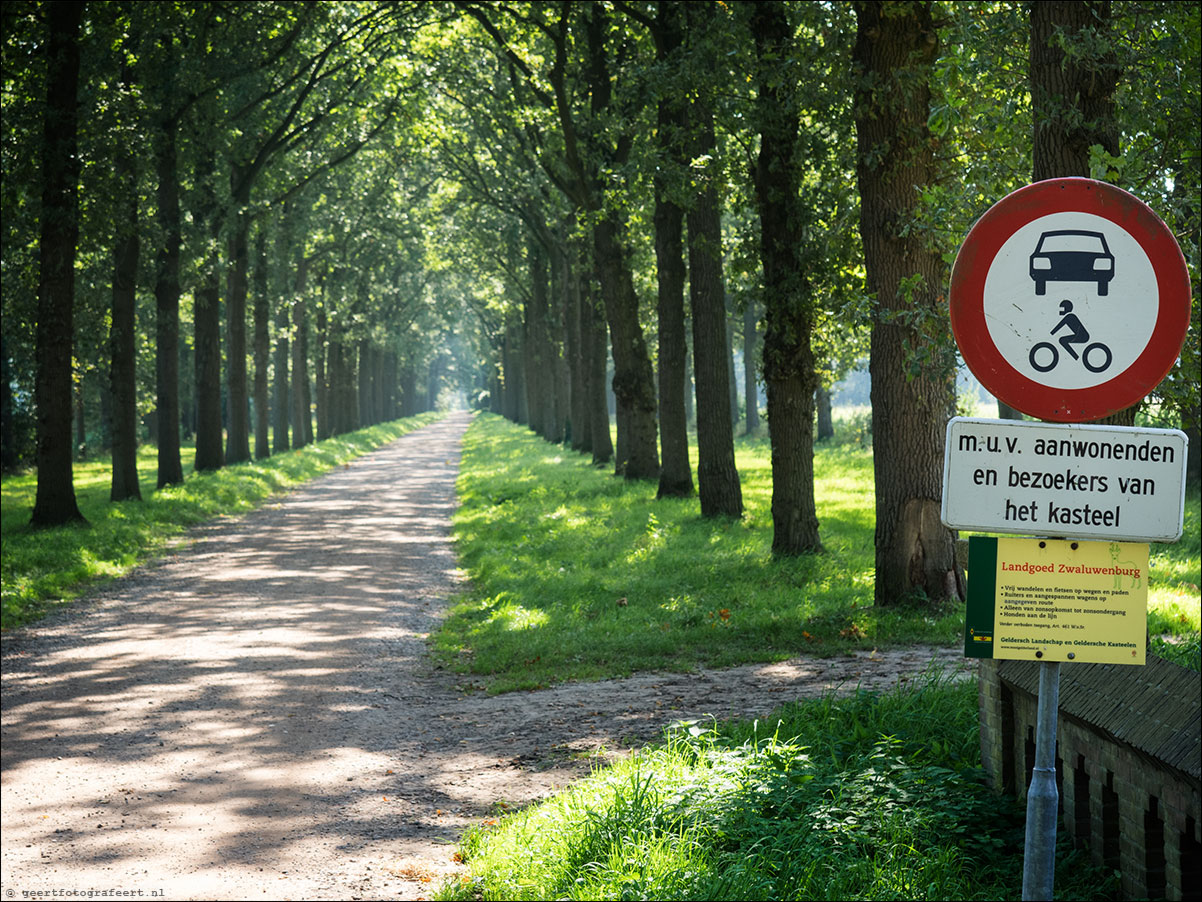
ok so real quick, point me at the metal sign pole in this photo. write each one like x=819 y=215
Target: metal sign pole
x=1039 y=861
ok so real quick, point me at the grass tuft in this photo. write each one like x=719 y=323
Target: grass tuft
x=862 y=797
x=576 y=574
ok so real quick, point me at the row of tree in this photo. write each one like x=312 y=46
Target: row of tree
x=255 y=151
x=737 y=147
x=375 y=198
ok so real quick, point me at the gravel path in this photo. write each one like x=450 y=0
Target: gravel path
x=254 y=716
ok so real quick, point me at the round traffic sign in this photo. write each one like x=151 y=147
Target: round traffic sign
x=1070 y=300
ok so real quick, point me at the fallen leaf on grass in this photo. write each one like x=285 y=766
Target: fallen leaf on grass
x=412 y=870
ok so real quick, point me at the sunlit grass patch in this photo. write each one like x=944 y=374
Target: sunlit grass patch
x=862 y=797
x=623 y=582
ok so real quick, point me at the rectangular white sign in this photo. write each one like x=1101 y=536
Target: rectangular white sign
x=1052 y=479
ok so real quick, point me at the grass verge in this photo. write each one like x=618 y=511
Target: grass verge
x=42 y=568
x=862 y=797
x=578 y=575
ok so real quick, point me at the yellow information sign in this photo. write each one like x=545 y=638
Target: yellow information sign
x=1057 y=600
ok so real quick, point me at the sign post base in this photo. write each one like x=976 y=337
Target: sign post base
x=1039 y=859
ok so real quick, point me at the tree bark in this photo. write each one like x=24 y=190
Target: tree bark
x=634 y=381
x=1072 y=98
x=81 y=423
x=557 y=313
x=789 y=377
x=302 y=424
x=915 y=554
x=579 y=427
x=392 y=381
x=717 y=478
x=511 y=358
x=321 y=376
x=408 y=389
x=238 y=440
x=167 y=284
x=9 y=453
x=826 y=424
x=596 y=340
x=751 y=397
x=280 y=407
x=1006 y=412
x=262 y=347
x=676 y=472
x=535 y=358
x=55 y=502
x=732 y=382
x=123 y=331
x=206 y=328
x=363 y=396
x=1072 y=95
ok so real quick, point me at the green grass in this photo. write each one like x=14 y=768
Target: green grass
x=578 y=575
x=42 y=568
x=863 y=797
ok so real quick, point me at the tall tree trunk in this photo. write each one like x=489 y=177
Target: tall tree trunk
x=732 y=382
x=717 y=478
x=751 y=397
x=596 y=340
x=578 y=425
x=826 y=424
x=561 y=378
x=1072 y=97
x=379 y=386
x=206 y=328
x=301 y=420
x=321 y=375
x=1006 y=412
x=344 y=412
x=167 y=284
x=408 y=389
x=535 y=359
x=123 y=331
x=634 y=380
x=81 y=422
x=55 y=502
x=238 y=440
x=676 y=472
x=511 y=357
x=915 y=554
x=392 y=383
x=280 y=406
x=262 y=345
x=9 y=455
x=363 y=395
x=1072 y=93
x=789 y=377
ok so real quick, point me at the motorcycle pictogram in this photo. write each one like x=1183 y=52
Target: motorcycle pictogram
x=1044 y=356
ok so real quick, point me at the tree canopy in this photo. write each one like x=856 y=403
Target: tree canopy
x=257 y=224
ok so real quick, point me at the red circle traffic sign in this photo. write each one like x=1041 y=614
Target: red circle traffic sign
x=1070 y=300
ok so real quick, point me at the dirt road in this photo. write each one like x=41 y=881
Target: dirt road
x=254 y=717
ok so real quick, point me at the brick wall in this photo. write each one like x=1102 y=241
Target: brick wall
x=1132 y=811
